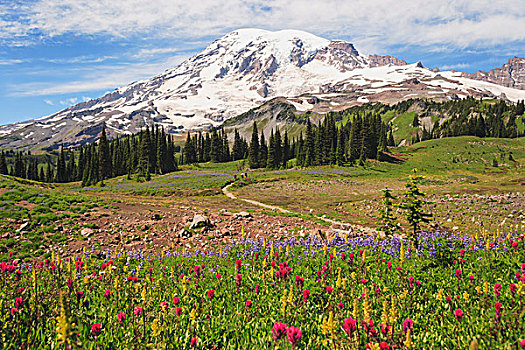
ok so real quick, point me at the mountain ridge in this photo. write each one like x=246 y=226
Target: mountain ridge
x=242 y=70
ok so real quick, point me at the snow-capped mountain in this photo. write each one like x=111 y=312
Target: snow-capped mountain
x=240 y=71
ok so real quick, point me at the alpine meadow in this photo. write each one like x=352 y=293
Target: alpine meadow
x=272 y=190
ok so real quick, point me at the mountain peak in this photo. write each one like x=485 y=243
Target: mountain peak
x=242 y=70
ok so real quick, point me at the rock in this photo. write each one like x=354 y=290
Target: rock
x=184 y=234
x=156 y=216
x=86 y=232
x=23 y=226
x=243 y=214
x=200 y=221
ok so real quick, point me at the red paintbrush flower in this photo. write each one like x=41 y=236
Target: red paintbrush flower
x=278 y=331
x=294 y=335
x=96 y=328
x=121 y=317
x=211 y=293
x=138 y=311
x=459 y=314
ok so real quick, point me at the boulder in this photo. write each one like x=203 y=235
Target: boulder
x=200 y=221
x=243 y=214
x=184 y=234
x=86 y=232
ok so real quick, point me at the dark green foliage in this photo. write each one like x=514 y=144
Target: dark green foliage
x=388 y=220
x=413 y=204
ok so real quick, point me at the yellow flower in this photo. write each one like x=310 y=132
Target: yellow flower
x=355 y=312
x=155 y=327
x=328 y=325
x=344 y=283
x=290 y=295
x=384 y=315
x=466 y=296
x=338 y=282
x=478 y=289
x=353 y=275
x=287 y=250
x=486 y=287
x=408 y=341
x=366 y=307
x=440 y=295
x=393 y=311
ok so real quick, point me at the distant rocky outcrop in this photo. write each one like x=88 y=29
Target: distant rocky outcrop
x=378 y=61
x=511 y=74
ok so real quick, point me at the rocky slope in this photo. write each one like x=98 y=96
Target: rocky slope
x=511 y=74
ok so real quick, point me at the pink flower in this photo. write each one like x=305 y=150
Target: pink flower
x=138 y=311
x=306 y=294
x=218 y=276
x=329 y=289
x=238 y=280
x=408 y=324
x=497 y=289
x=458 y=274
x=197 y=270
x=383 y=346
x=459 y=314
x=257 y=287
x=150 y=270
x=176 y=301
x=470 y=277
x=449 y=299
x=349 y=326
x=522 y=343
x=14 y=310
x=108 y=293
x=18 y=302
x=211 y=293
x=399 y=268
x=164 y=305
x=238 y=264
x=389 y=265
x=103 y=267
x=498 y=308
x=80 y=294
x=343 y=256
x=418 y=282
x=178 y=311
x=299 y=281
x=96 y=328
x=193 y=342
x=278 y=330
x=340 y=305
x=256 y=256
x=294 y=335
x=512 y=288
x=363 y=281
x=121 y=317
x=248 y=304
x=462 y=253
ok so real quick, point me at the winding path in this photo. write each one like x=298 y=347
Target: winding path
x=353 y=227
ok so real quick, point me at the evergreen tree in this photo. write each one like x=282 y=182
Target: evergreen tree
x=253 y=152
x=388 y=220
x=413 y=205
x=3 y=164
x=271 y=161
x=104 y=156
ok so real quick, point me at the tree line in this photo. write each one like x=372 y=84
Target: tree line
x=139 y=155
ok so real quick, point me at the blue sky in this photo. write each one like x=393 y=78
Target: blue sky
x=57 y=53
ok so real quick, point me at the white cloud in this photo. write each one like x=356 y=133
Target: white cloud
x=372 y=24
x=69 y=101
x=49 y=102
x=7 y=62
x=96 y=78
x=456 y=66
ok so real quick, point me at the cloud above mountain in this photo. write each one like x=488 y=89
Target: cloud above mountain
x=372 y=23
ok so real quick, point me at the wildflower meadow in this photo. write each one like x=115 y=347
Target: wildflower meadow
x=448 y=292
